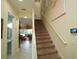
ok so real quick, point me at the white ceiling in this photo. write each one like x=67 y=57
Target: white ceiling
x=25 y=4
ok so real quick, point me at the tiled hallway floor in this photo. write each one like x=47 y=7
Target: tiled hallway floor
x=25 y=51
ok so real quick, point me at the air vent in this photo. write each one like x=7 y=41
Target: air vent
x=23 y=9
x=37 y=0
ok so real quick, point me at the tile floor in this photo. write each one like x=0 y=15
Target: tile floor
x=25 y=51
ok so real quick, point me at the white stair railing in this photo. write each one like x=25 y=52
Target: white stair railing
x=34 y=49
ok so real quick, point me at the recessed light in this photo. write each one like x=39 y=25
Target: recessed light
x=25 y=16
x=20 y=0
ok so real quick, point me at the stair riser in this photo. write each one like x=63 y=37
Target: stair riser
x=45 y=47
x=41 y=32
x=42 y=38
x=42 y=35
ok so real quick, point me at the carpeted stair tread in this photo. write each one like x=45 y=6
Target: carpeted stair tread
x=46 y=51
x=43 y=41
x=49 y=56
x=42 y=34
x=43 y=46
x=43 y=37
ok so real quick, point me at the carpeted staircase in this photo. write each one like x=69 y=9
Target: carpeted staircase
x=45 y=47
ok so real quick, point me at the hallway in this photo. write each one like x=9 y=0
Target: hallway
x=53 y=25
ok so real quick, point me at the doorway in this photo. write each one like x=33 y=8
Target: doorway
x=25 y=37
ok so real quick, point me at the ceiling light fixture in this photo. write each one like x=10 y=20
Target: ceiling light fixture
x=25 y=16
x=20 y=0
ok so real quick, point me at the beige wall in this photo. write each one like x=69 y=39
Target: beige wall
x=37 y=10
x=59 y=29
x=5 y=8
